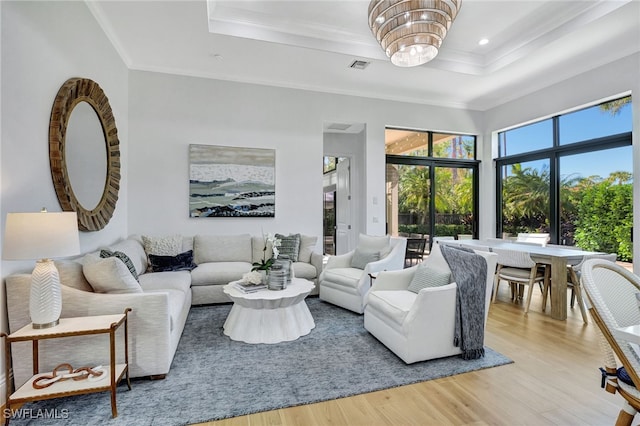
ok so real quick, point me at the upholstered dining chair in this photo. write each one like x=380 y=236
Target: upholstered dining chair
x=613 y=295
x=517 y=268
x=574 y=273
x=541 y=238
x=419 y=324
x=346 y=278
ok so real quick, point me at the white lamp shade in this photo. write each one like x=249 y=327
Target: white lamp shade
x=42 y=235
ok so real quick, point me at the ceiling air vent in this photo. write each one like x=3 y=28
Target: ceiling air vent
x=359 y=65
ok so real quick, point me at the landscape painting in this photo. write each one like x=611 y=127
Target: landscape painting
x=229 y=181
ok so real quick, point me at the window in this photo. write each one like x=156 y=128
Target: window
x=578 y=187
x=431 y=183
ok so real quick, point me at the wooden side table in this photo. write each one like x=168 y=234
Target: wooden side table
x=80 y=326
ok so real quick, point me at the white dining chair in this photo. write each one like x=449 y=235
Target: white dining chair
x=517 y=268
x=541 y=238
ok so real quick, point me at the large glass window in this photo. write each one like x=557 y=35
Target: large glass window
x=431 y=184
x=525 y=197
x=579 y=188
x=526 y=138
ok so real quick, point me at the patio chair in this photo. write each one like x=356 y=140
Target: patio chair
x=415 y=251
x=612 y=292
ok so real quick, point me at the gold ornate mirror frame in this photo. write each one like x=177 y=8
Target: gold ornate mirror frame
x=72 y=92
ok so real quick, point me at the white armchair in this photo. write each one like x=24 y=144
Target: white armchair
x=418 y=326
x=346 y=286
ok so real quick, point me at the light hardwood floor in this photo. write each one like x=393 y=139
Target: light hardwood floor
x=554 y=380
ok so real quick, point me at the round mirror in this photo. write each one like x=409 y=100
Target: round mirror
x=84 y=153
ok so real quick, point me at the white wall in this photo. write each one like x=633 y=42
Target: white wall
x=44 y=44
x=167 y=113
x=619 y=77
x=352 y=145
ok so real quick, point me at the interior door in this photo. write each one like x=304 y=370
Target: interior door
x=344 y=231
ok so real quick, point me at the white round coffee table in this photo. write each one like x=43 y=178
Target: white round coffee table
x=269 y=316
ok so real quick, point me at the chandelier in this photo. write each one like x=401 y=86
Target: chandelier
x=411 y=31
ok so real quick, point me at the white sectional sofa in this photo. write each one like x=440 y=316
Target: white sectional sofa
x=160 y=301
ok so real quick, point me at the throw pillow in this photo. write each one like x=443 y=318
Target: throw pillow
x=361 y=258
x=180 y=262
x=371 y=243
x=120 y=255
x=289 y=246
x=426 y=277
x=71 y=275
x=110 y=275
x=170 y=245
x=307 y=244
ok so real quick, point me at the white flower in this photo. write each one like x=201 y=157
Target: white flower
x=253 y=277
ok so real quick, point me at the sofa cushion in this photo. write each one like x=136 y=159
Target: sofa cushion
x=218 y=272
x=307 y=245
x=222 y=248
x=343 y=277
x=258 y=250
x=289 y=246
x=372 y=243
x=305 y=270
x=180 y=262
x=177 y=280
x=168 y=245
x=425 y=277
x=109 y=275
x=176 y=304
x=125 y=259
x=394 y=304
x=134 y=249
x=71 y=275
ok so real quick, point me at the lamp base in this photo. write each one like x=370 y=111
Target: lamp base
x=45 y=302
x=48 y=325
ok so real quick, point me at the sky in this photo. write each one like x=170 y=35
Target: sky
x=578 y=126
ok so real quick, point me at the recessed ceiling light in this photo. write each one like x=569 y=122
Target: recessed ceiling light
x=483 y=41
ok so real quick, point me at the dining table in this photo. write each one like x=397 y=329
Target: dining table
x=557 y=257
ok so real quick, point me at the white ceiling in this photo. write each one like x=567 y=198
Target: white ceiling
x=309 y=44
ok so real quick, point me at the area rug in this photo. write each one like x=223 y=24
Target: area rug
x=213 y=377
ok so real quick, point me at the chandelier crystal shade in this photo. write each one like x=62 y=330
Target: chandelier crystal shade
x=411 y=31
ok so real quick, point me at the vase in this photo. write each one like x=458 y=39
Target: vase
x=264 y=276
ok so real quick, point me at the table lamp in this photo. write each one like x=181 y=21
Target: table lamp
x=42 y=236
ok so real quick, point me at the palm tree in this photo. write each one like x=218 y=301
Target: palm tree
x=414 y=191
x=614 y=107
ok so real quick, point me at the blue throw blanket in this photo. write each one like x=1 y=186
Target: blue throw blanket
x=469 y=271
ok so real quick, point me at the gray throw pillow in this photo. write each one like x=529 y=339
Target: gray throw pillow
x=289 y=246
x=361 y=258
x=125 y=259
x=428 y=277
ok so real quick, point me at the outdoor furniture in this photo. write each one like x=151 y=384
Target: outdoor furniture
x=415 y=251
x=613 y=292
x=418 y=326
